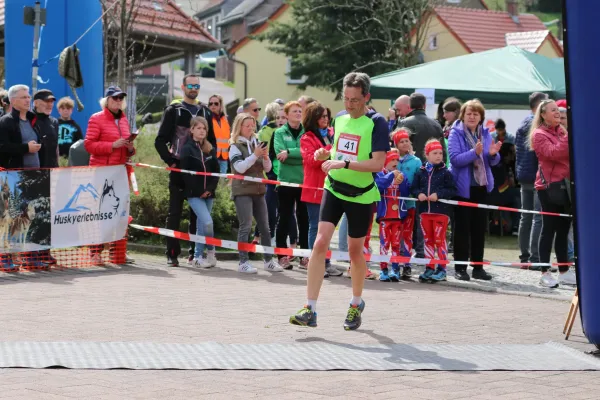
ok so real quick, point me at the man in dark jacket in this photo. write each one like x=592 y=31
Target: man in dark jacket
x=423 y=129
x=19 y=142
x=526 y=168
x=26 y=144
x=46 y=127
x=173 y=133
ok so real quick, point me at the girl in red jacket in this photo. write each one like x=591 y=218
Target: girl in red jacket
x=317 y=135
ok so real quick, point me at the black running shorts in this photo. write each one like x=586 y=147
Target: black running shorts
x=358 y=215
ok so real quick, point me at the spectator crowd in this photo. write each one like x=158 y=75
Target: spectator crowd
x=453 y=156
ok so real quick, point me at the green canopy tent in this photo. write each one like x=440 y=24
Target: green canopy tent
x=500 y=78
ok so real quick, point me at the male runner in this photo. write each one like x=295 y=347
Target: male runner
x=360 y=144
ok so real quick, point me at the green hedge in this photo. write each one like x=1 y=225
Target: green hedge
x=150 y=208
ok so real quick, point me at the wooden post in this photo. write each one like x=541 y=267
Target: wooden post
x=572 y=314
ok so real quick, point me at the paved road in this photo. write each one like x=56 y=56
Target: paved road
x=148 y=302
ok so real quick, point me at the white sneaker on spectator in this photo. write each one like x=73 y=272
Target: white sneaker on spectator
x=247 y=268
x=273 y=266
x=97 y=260
x=211 y=258
x=548 y=280
x=200 y=263
x=128 y=259
x=568 y=278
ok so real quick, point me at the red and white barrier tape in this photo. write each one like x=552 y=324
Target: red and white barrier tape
x=273 y=182
x=336 y=255
x=133 y=180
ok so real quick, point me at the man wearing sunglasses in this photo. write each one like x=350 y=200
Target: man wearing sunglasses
x=251 y=107
x=173 y=133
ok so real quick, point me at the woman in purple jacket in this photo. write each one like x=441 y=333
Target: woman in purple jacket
x=472 y=152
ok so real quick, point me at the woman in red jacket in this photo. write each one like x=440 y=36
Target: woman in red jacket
x=317 y=135
x=107 y=136
x=107 y=141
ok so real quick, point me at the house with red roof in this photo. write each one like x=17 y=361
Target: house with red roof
x=456 y=31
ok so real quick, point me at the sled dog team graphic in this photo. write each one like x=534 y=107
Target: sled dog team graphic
x=17 y=228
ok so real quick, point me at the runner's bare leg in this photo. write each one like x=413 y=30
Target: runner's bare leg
x=316 y=263
x=359 y=264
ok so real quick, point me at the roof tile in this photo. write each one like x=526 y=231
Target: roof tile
x=482 y=30
x=530 y=41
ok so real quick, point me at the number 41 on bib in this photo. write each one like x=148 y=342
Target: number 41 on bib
x=347 y=147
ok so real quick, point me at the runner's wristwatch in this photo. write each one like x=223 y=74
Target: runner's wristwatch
x=347 y=164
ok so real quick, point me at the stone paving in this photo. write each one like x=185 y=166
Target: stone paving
x=148 y=301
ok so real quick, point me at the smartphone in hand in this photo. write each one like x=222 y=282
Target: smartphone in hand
x=133 y=135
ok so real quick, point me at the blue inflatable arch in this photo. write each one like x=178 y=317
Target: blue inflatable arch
x=66 y=21
x=583 y=86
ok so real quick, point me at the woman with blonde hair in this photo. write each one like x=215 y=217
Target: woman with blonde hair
x=250 y=157
x=550 y=141
x=199 y=155
x=472 y=154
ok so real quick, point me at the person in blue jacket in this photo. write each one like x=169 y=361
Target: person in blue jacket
x=432 y=183
x=395 y=224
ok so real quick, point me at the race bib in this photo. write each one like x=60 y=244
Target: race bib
x=347 y=147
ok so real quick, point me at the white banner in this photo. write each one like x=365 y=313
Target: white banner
x=88 y=205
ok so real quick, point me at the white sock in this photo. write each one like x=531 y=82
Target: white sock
x=355 y=300
x=312 y=304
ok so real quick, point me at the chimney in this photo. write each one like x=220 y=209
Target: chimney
x=512 y=7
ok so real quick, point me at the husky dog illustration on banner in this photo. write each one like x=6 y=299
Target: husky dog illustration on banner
x=109 y=202
x=21 y=224
x=5 y=219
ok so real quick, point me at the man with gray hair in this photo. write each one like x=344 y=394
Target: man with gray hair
x=359 y=150
x=20 y=146
x=251 y=107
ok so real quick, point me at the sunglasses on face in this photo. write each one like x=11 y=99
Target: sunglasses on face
x=257 y=109
x=214 y=104
x=118 y=98
x=191 y=86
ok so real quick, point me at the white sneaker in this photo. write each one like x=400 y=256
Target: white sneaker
x=200 y=263
x=97 y=259
x=272 y=266
x=211 y=258
x=247 y=268
x=548 y=280
x=568 y=278
x=128 y=259
x=332 y=270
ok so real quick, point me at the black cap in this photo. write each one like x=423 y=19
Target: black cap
x=44 y=94
x=114 y=91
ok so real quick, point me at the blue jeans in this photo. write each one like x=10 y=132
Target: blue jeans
x=571 y=245
x=343 y=234
x=530 y=226
x=313 y=224
x=204 y=224
x=223 y=166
